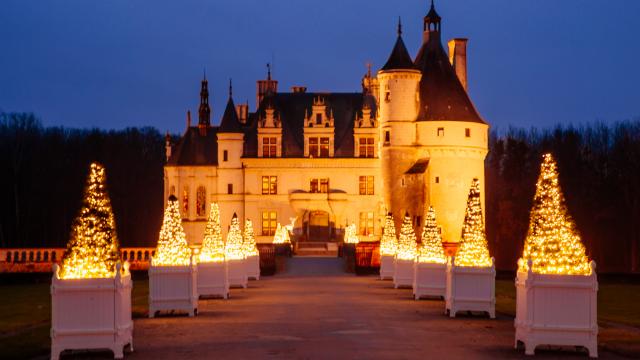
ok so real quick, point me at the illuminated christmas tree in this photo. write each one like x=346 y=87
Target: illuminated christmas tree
x=407 y=240
x=249 y=242
x=431 y=250
x=212 y=245
x=553 y=243
x=92 y=251
x=281 y=236
x=173 y=248
x=351 y=234
x=233 y=248
x=474 y=250
x=389 y=241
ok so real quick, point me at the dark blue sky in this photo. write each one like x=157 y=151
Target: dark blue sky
x=120 y=63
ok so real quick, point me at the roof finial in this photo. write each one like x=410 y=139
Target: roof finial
x=268 y=71
x=432 y=6
x=399 y=26
x=230 y=88
x=205 y=74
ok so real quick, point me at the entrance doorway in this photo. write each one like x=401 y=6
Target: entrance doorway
x=318 y=226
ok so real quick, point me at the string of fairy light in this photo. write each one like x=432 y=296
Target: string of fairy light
x=389 y=240
x=553 y=243
x=93 y=249
x=474 y=250
x=431 y=250
x=213 y=244
x=406 y=240
x=249 y=247
x=173 y=249
x=233 y=247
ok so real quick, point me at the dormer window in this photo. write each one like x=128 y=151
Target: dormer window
x=319 y=130
x=319 y=119
x=366 y=147
x=269 y=147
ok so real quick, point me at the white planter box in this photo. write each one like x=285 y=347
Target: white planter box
x=470 y=289
x=252 y=265
x=429 y=279
x=91 y=313
x=403 y=273
x=173 y=288
x=212 y=279
x=387 y=267
x=237 y=272
x=557 y=310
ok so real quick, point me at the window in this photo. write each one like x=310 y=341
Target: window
x=269 y=185
x=269 y=147
x=185 y=201
x=387 y=136
x=319 y=186
x=366 y=185
x=318 y=119
x=201 y=201
x=467 y=132
x=366 y=223
x=269 y=223
x=402 y=182
x=225 y=155
x=319 y=147
x=229 y=189
x=387 y=96
x=437 y=179
x=366 y=147
x=440 y=131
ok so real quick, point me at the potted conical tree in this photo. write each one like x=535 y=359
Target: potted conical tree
x=406 y=255
x=471 y=274
x=251 y=254
x=430 y=266
x=235 y=256
x=91 y=289
x=212 y=267
x=173 y=271
x=388 y=248
x=556 y=285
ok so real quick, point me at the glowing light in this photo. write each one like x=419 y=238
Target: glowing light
x=213 y=244
x=350 y=234
x=173 y=249
x=281 y=235
x=233 y=248
x=474 y=250
x=431 y=250
x=389 y=241
x=553 y=243
x=92 y=251
x=249 y=243
x=407 y=240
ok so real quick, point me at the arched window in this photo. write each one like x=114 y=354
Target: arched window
x=8 y=259
x=139 y=256
x=124 y=255
x=38 y=256
x=185 y=201
x=24 y=256
x=16 y=256
x=54 y=256
x=131 y=256
x=46 y=256
x=30 y=256
x=201 y=201
x=146 y=256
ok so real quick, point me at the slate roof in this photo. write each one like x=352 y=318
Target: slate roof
x=230 y=122
x=195 y=149
x=292 y=107
x=399 y=58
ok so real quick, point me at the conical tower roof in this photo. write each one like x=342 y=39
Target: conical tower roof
x=399 y=58
x=230 y=122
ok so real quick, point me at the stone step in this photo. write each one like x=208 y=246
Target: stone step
x=316 y=252
x=312 y=245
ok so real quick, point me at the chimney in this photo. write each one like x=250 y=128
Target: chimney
x=298 y=89
x=167 y=145
x=243 y=112
x=266 y=87
x=458 y=59
x=188 y=119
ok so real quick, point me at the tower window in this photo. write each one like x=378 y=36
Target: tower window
x=467 y=132
x=441 y=131
x=387 y=96
x=225 y=155
x=229 y=189
x=387 y=136
x=437 y=179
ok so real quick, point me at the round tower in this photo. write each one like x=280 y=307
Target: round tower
x=399 y=104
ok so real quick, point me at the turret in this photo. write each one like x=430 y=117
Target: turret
x=265 y=87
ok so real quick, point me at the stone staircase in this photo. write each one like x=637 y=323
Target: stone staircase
x=317 y=249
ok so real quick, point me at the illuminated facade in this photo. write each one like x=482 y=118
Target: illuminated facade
x=411 y=138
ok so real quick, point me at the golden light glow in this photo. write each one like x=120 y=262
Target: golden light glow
x=407 y=240
x=351 y=234
x=553 y=243
x=249 y=242
x=173 y=249
x=431 y=250
x=92 y=251
x=233 y=248
x=212 y=245
x=389 y=241
x=474 y=250
x=281 y=236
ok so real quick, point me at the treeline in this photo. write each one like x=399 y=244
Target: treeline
x=44 y=172
x=599 y=173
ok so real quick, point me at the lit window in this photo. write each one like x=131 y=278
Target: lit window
x=269 y=223
x=319 y=186
x=366 y=147
x=467 y=132
x=185 y=201
x=269 y=147
x=366 y=185
x=201 y=201
x=269 y=185
x=440 y=131
x=319 y=147
x=324 y=147
x=366 y=223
